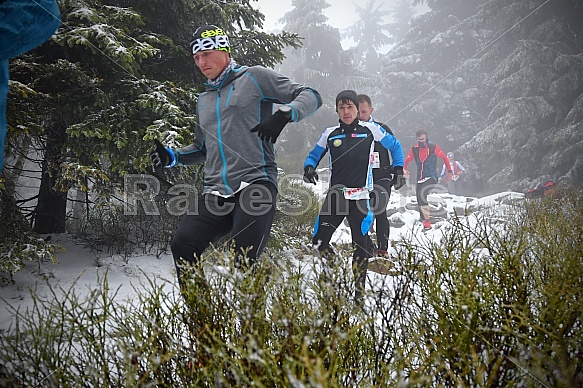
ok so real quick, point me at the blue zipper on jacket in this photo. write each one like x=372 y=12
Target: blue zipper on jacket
x=220 y=140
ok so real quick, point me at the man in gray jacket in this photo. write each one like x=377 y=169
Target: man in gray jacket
x=234 y=137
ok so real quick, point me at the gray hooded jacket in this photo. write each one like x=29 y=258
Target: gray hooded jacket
x=233 y=155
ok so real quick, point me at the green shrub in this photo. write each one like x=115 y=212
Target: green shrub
x=18 y=242
x=497 y=303
x=109 y=229
x=501 y=302
x=297 y=209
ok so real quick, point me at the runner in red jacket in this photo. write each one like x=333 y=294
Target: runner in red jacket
x=425 y=155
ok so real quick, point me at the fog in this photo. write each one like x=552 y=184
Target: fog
x=341 y=13
x=495 y=82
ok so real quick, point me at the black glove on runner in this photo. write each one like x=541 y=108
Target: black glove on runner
x=160 y=156
x=398 y=179
x=270 y=128
x=310 y=175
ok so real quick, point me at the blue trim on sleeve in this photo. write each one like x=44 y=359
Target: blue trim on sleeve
x=295 y=114
x=173 y=156
x=318 y=102
x=314 y=156
x=367 y=221
x=316 y=226
x=391 y=143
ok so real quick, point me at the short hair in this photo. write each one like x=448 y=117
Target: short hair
x=421 y=132
x=345 y=96
x=364 y=98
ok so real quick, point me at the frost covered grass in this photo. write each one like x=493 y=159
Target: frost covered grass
x=497 y=301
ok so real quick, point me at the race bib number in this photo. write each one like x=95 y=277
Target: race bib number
x=375 y=160
x=355 y=194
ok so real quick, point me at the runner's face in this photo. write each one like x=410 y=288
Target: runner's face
x=211 y=62
x=364 y=111
x=347 y=112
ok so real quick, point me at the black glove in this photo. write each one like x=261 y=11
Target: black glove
x=270 y=128
x=310 y=175
x=160 y=156
x=399 y=179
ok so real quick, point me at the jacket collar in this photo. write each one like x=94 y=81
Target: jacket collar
x=349 y=127
x=230 y=77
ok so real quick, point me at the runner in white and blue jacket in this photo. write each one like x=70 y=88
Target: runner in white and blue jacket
x=234 y=137
x=350 y=146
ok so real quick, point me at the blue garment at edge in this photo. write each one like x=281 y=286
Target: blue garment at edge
x=24 y=25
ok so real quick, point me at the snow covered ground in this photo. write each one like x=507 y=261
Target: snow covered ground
x=78 y=267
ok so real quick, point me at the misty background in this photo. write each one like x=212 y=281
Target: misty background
x=497 y=82
x=341 y=14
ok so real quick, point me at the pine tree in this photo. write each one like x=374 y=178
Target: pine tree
x=484 y=78
x=115 y=76
x=320 y=63
x=370 y=33
x=402 y=14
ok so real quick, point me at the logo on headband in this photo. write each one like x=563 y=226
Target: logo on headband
x=211 y=40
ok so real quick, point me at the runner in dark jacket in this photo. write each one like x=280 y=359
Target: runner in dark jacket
x=350 y=146
x=382 y=175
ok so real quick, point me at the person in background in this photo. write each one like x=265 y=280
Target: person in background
x=350 y=145
x=425 y=155
x=382 y=176
x=234 y=137
x=24 y=25
x=455 y=184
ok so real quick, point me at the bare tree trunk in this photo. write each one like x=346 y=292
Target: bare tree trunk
x=51 y=209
